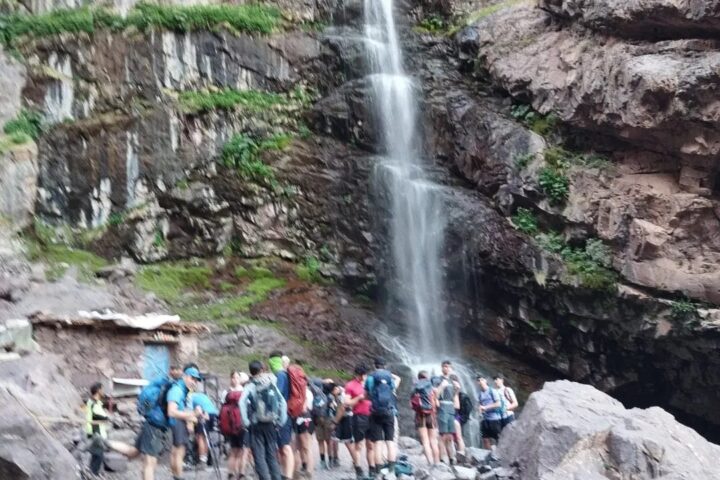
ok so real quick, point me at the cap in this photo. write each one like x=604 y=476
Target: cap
x=193 y=372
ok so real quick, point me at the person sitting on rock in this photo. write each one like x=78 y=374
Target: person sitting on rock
x=489 y=405
x=508 y=398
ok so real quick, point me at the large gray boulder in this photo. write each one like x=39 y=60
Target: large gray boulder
x=572 y=431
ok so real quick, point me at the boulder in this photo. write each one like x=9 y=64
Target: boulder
x=465 y=473
x=570 y=430
x=477 y=456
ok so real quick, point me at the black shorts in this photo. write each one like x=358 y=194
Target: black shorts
x=303 y=425
x=360 y=428
x=180 y=435
x=382 y=427
x=491 y=429
x=237 y=441
x=151 y=440
x=343 y=430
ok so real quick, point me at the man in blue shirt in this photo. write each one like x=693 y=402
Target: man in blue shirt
x=208 y=412
x=489 y=405
x=179 y=413
x=380 y=386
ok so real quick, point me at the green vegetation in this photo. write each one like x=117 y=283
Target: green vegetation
x=684 y=310
x=116 y=218
x=28 y=125
x=590 y=264
x=309 y=270
x=525 y=221
x=59 y=258
x=255 y=272
x=242 y=153
x=540 y=124
x=484 y=12
x=432 y=24
x=253 y=18
x=555 y=184
x=227 y=99
x=523 y=160
x=170 y=280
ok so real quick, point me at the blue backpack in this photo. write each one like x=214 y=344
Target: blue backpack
x=267 y=403
x=320 y=400
x=152 y=402
x=382 y=396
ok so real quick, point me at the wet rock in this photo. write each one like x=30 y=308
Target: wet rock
x=408 y=443
x=115 y=462
x=568 y=429
x=18 y=185
x=477 y=456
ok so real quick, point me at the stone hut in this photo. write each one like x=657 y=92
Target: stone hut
x=102 y=347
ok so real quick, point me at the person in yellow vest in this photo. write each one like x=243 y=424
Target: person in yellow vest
x=96 y=421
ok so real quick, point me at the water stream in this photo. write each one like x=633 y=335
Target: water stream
x=417 y=223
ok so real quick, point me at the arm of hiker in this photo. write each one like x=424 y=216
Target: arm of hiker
x=513 y=400
x=396 y=381
x=244 y=400
x=175 y=412
x=496 y=400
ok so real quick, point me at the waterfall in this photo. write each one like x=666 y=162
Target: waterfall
x=416 y=226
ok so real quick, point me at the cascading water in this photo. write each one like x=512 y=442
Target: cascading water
x=416 y=204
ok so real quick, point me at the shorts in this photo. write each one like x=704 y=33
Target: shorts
x=303 y=425
x=446 y=422
x=284 y=434
x=323 y=428
x=491 y=429
x=151 y=440
x=382 y=427
x=343 y=430
x=237 y=441
x=507 y=421
x=360 y=427
x=180 y=435
x=425 y=420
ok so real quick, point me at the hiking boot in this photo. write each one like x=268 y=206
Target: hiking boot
x=336 y=462
x=323 y=465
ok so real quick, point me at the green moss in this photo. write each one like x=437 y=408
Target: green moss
x=253 y=18
x=484 y=12
x=254 y=272
x=309 y=270
x=59 y=258
x=170 y=280
x=525 y=221
x=27 y=125
x=684 y=310
x=243 y=153
x=523 y=160
x=260 y=287
x=228 y=99
x=433 y=24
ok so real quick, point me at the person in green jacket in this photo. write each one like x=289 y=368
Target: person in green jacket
x=96 y=420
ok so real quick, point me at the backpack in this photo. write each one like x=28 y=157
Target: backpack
x=152 y=402
x=298 y=385
x=320 y=401
x=466 y=408
x=422 y=400
x=267 y=403
x=382 y=396
x=230 y=418
x=505 y=400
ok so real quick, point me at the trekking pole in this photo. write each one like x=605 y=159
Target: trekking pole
x=212 y=454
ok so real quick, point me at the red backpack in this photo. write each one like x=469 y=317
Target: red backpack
x=230 y=418
x=298 y=388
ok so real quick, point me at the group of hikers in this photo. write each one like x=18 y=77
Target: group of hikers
x=269 y=417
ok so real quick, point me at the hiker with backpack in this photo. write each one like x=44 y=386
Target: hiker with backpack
x=300 y=408
x=342 y=419
x=278 y=364
x=508 y=399
x=321 y=419
x=263 y=410
x=96 y=427
x=231 y=426
x=179 y=414
x=207 y=419
x=424 y=404
x=489 y=405
x=464 y=413
x=358 y=404
x=380 y=388
x=447 y=397
x=332 y=392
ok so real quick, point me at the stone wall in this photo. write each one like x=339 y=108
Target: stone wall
x=90 y=355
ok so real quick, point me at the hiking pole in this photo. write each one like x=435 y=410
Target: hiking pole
x=211 y=454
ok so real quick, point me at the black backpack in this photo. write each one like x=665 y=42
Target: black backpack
x=466 y=408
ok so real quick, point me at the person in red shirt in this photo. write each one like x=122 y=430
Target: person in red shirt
x=355 y=399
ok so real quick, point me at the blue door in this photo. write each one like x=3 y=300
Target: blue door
x=156 y=361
